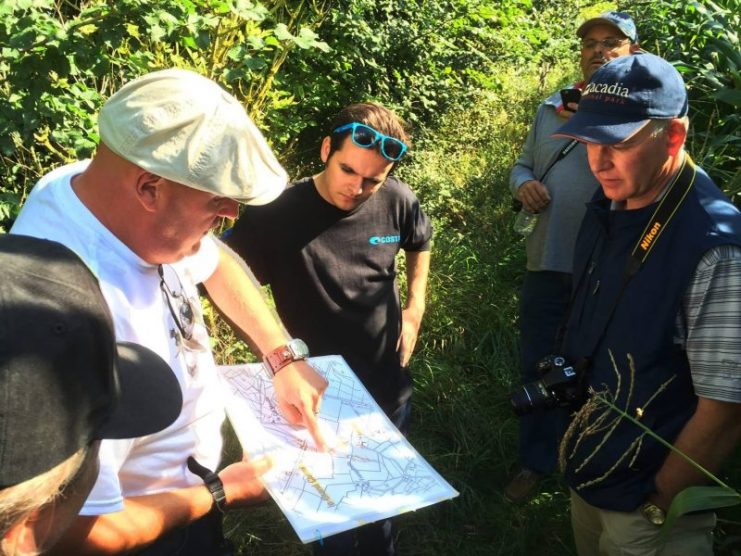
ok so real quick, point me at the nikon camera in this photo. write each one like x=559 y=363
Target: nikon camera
x=558 y=386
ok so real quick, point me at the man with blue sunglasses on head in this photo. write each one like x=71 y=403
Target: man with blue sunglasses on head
x=327 y=246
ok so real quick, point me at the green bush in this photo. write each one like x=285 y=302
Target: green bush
x=60 y=60
x=701 y=39
x=292 y=63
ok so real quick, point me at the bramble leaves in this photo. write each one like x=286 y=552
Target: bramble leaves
x=701 y=39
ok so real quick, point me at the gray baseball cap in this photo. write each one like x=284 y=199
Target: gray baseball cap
x=620 y=20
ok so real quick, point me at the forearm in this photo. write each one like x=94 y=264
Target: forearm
x=298 y=387
x=143 y=520
x=418 y=270
x=237 y=295
x=707 y=438
x=524 y=169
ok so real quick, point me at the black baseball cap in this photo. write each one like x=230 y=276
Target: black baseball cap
x=64 y=381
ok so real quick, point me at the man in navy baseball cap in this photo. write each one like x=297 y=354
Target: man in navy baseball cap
x=623 y=96
x=626 y=101
x=655 y=317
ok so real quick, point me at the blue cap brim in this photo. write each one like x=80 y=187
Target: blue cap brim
x=602 y=129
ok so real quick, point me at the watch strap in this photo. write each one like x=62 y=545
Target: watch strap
x=212 y=482
x=280 y=357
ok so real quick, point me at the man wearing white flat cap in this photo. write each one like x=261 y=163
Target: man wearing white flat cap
x=177 y=154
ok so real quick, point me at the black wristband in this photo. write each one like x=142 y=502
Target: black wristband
x=212 y=482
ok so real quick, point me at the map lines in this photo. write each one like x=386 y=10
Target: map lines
x=371 y=472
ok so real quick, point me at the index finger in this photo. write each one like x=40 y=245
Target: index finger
x=310 y=422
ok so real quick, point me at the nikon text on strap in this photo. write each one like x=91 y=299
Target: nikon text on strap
x=668 y=206
x=676 y=193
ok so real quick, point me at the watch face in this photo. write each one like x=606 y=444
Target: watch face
x=298 y=349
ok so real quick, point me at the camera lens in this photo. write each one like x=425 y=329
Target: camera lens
x=530 y=397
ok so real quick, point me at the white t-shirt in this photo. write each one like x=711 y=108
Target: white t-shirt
x=157 y=462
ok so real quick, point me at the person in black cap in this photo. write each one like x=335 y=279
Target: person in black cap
x=64 y=384
x=655 y=318
x=552 y=178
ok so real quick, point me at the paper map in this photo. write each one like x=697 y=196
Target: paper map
x=371 y=472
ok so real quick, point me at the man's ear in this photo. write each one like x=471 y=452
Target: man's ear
x=676 y=136
x=148 y=190
x=20 y=538
x=635 y=47
x=324 y=151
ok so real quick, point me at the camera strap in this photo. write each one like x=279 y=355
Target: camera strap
x=670 y=203
x=567 y=148
x=668 y=206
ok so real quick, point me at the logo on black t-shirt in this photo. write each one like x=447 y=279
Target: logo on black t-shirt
x=380 y=240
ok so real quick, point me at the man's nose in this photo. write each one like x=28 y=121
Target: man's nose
x=357 y=185
x=599 y=49
x=599 y=158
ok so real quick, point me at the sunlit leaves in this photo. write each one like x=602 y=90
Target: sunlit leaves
x=701 y=39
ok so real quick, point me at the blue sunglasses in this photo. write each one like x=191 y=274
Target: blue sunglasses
x=365 y=136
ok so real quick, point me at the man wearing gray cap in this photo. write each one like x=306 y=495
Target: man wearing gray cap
x=177 y=154
x=655 y=318
x=552 y=178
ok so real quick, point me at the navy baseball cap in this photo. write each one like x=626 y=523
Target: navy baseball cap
x=64 y=380
x=623 y=95
x=620 y=20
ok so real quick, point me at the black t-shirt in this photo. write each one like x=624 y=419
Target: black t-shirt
x=333 y=273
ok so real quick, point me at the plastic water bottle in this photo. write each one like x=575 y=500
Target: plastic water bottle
x=525 y=222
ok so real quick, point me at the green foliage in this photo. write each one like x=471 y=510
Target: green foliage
x=418 y=57
x=700 y=499
x=467 y=74
x=701 y=39
x=461 y=176
x=293 y=63
x=61 y=60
